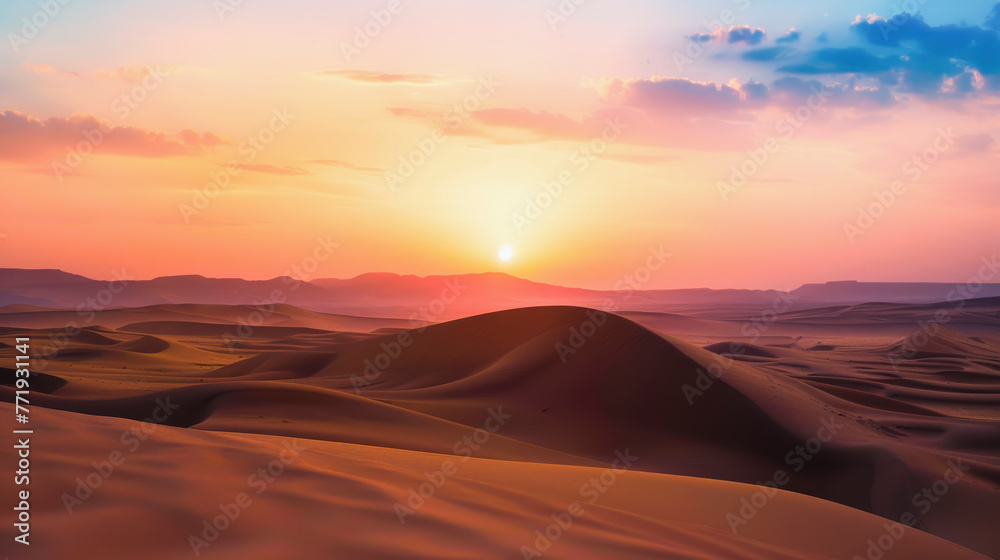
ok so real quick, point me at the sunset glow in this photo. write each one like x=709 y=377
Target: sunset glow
x=713 y=130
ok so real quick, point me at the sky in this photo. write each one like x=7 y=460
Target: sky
x=758 y=144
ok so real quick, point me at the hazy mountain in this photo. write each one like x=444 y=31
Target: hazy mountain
x=893 y=292
x=431 y=297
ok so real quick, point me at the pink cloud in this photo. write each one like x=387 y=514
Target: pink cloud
x=24 y=138
x=46 y=69
x=195 y=138
x=541 y=123
x=678 y=96
x=673 y=112
x=408 y=112
x=135 y=74
x=371 y=77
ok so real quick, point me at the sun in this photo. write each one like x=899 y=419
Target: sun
x=506 y=253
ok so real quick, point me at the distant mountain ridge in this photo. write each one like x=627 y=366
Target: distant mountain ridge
x=432 y=297
x=851 y=291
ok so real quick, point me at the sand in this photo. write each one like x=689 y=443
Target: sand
x=853 y=417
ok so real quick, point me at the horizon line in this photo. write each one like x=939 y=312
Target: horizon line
x=485 y=273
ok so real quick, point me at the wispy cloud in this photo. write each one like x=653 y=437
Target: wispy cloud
x=47 y=69
x=272 y=169
x=371 y=77
x=345 y=165
x=136 y=73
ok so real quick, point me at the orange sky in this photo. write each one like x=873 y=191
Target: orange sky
x=189 y=141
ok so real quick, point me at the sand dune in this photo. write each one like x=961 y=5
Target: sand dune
x=340 y=497
x=279 y=315
x=853 y=433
